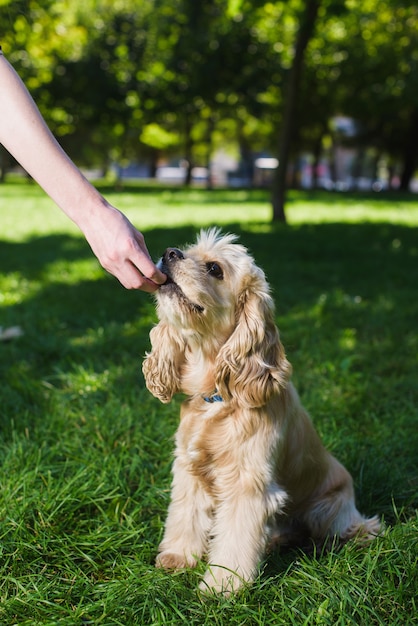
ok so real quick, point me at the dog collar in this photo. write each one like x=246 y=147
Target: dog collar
x=214 y=397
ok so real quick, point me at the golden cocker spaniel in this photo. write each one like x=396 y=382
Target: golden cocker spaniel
x=249 y=467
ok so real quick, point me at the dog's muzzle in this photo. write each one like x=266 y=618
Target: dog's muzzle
x=170 y=256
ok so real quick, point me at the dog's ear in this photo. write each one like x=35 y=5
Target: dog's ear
x=252 y=366
x=162 y=366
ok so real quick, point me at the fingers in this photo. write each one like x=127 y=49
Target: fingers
x=140 y=259
x=122 y=251
x=148 y=269
x=131 y=278
x=138 y=270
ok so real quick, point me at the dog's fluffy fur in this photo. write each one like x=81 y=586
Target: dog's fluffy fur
x=249 y=466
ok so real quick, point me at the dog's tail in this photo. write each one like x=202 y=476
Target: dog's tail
x=334 y=515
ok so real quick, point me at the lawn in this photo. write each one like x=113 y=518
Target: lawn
x=85 y=451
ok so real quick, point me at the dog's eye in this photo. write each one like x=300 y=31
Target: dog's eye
x=215 y=270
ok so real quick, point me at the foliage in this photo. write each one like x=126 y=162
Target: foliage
x=86 y=451
x=214 y=72
x=388 y=39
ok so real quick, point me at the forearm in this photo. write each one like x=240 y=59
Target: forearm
x=118 y=245
x=25 y=135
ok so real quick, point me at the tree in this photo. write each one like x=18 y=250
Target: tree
x=123 y=80
x=306 y=28
x=382 y=40
x=212 y=72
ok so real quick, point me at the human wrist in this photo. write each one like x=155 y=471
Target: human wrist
x=89 y=210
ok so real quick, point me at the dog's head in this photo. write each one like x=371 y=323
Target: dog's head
x=204 y=282
x=216 y=294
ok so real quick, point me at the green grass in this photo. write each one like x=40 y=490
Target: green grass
x=85 y=451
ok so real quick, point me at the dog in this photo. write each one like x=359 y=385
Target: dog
x=249 y=468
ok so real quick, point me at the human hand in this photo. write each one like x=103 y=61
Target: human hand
x=119 y=247
x=121 y=250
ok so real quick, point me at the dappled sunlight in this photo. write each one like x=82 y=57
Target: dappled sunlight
x=35 y=216
x=348 y=340
x=60 y=273
x=83 y=381
x=33 y=255
x=15 y=288
x=86 y=449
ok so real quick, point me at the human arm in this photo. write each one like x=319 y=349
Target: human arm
x=120 y=248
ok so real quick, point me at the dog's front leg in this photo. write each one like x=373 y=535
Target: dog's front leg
x=188 y=521
x=239 y=536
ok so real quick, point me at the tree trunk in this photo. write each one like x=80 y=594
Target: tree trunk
x=4 y=163
x=209 y=142
x=153 y=162
x=410 y=153
x=2 y=167
x=306 y=29
x=317 y=152
x=188 y=150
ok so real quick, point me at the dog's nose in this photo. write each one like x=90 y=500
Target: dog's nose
x=173 y=254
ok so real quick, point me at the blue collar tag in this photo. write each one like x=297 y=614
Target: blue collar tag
x=215 y=397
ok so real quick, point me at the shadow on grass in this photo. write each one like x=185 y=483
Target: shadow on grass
x=346 y=307
x=33 y=256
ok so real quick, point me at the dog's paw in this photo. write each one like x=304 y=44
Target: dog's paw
x=363 y=531
x=220 y=580
x=172 y=561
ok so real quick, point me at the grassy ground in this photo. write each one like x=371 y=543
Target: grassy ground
x=85 y=451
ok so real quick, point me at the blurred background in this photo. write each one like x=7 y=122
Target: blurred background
x=218 y=92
